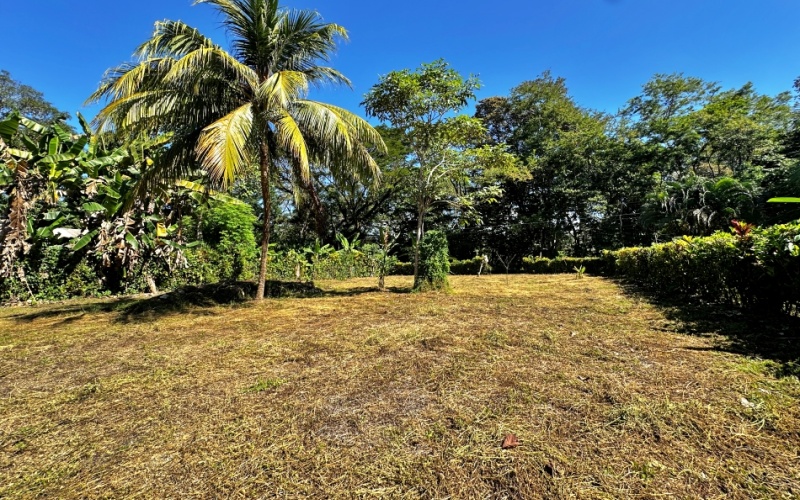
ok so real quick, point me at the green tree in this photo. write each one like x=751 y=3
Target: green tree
x=710 y=153
x=358 y=209
x=29 y=102
x=434 y=263
x=229 y=111
x=565 y=148
x=449 y=163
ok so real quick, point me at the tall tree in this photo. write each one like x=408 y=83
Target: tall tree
x=709 y=152
x=449 y=163
x=564 y=147
x=231 y=110
x=29 y=102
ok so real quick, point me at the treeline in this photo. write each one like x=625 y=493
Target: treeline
x=534 y=182
x=685 y=157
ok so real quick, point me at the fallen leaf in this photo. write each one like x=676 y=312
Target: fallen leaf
x=510 y=442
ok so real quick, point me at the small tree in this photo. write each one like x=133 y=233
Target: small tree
x=386 y=262
x=434 y=263
x=448 y=164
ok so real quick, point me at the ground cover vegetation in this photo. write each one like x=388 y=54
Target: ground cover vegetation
x=347 y=391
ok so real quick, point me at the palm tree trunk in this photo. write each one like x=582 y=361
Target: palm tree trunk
x=267 y=197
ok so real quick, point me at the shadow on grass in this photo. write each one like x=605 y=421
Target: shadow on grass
x=199 y=300
x=352 y=292
x=79 y=309
x=773 y=337
x=196 y=300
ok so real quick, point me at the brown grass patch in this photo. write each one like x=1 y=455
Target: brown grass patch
x=369 y=394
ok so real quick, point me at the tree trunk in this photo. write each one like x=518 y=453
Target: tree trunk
x=267 y=197
x=151 y=283
x=420 y=229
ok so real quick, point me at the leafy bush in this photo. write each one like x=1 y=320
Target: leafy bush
x=228 y=229
x=759 y=269
x=563 y=265
x=83 y=281
x=434 y=263
x=403 y=269
x=468 y=266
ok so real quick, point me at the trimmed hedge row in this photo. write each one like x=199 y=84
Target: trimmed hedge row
x=564 y=265
x=759 y=269
x=457 y=267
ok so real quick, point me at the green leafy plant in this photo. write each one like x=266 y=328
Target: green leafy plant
x=434 y=266
x=316 y=252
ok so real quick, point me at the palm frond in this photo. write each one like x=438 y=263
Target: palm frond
x=291 y=139
x=172 y=39
x=281 y=89
x=222 y=147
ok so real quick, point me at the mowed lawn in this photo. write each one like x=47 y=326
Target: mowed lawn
x=359 y=393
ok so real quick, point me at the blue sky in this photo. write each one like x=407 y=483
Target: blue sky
x=606 y=49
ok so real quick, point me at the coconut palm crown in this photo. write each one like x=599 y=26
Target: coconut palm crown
x=229 y=111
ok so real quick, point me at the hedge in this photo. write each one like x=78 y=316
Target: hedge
x=759 y=270
x=564 y=265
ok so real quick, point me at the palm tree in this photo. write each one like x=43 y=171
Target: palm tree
x=229 y=111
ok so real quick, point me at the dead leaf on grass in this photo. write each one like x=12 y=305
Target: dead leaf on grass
x=510 y=442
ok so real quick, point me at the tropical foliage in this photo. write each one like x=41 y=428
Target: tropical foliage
x=434 y=263
x=247 y=107
x=211 y=162
x=746 y=267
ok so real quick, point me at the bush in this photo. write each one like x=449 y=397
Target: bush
x=228 y=230
x=434 y=263
x=83 y=281
x=760 y=270
x=469 y=266
x=403 y=269
x=564 y=265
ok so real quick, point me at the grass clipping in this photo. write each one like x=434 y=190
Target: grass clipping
x=354 y=392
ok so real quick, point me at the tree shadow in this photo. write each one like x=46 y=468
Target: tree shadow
x=199 y=300
x=774 y=337
x=190 y=300
x=79 y=309
x=352 y=292
x=195 y=300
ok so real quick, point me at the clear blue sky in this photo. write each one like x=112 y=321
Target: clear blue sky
x=606 y=49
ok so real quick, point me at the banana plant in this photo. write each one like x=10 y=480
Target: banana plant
x=350 y=251
x=30 y=175
x=85 y=192
x=316 y=252
x=298 y=262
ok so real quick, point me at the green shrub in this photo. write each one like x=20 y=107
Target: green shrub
x=760 y=270
x=403 y=269
x=469 y=266
x=83 y=281
x=228 y=230
x=564 y=265
x=434 y=263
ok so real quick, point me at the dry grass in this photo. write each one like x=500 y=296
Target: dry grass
x=359 y=393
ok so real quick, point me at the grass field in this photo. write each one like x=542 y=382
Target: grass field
x=358 y=393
